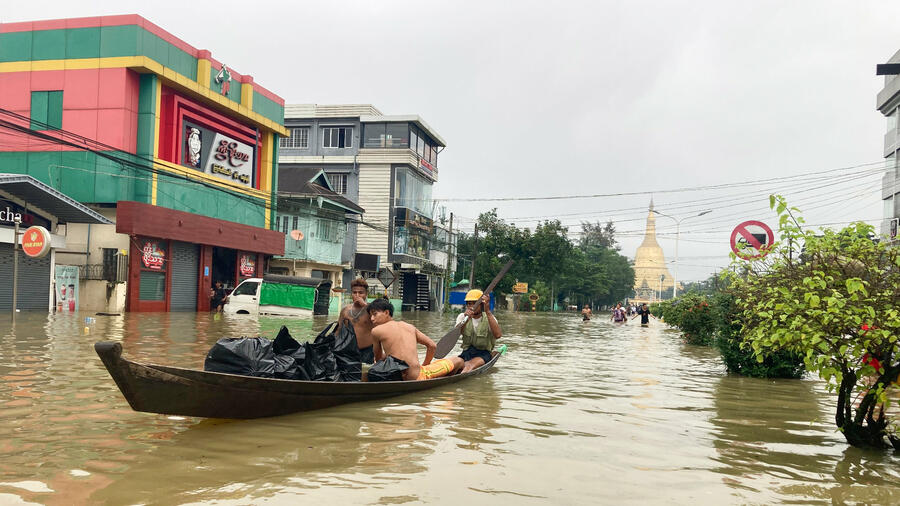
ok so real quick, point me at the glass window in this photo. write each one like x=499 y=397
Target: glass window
x=397 y=135
x=337 y=137
x=892 y=120
x=420 y=146
x=413 y=192
x=413 y=138
x=296 y=223
x=889 y=208
x=373 y=135
x=338 y=182
x=299 y=139
x=246 y=288
x=277 y=223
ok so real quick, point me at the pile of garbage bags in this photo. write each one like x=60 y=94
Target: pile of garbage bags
x=332 y=356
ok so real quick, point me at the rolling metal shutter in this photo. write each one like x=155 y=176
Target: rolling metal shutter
x=34 y=280
x=185 y=269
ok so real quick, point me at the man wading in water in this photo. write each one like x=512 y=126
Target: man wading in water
x=359 y=318
x=586 y=313
x=618 y=314
x=645 y=315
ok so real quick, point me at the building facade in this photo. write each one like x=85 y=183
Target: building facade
x=388 y=166
x=314 y=220
x=156 y=135
x=888 y=103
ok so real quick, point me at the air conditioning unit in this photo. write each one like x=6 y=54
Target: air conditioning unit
x=366 y=262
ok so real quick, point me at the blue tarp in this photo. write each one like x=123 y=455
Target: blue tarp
x=459 y=298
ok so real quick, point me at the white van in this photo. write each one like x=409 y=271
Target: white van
x=279 y=296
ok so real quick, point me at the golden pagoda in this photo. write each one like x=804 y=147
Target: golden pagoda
x=650 y=264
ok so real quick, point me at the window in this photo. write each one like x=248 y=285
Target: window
x=299 y=139
x=413 y=139
x=337 y=137
x=338 y=183
x=246 y=288
x=296 y=223
x=46 y=110
x=413 y=192
x=329 y=230
x=374 y=135
x=397 y=135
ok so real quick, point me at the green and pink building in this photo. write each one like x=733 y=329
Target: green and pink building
x=176 y=148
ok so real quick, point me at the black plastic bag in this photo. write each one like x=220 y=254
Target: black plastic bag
x=346 y=353
x=290 y=356
x=248 y=356
x=320 y=362
x=389 y=369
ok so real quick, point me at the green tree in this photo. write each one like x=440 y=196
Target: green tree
x=836 y=304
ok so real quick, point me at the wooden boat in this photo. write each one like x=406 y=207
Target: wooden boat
x=190 y=392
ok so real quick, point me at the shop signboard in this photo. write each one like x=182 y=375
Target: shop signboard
x=10 y=212
x=36 y=242
x=153 y=255
x=248 y=266
x=66 y=278
x=217 y=154
x=520 y=288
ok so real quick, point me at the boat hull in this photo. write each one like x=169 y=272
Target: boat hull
x=189 y=392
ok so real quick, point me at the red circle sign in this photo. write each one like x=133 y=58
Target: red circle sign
x=36 y=241
x=752 y=236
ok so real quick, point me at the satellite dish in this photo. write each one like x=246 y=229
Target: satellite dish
x=296 y=235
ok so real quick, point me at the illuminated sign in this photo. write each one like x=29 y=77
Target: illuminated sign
x=217 y=154
x=153 y=255
x=36 y=241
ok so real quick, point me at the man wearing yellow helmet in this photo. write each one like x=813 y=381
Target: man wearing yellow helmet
x=481 y=332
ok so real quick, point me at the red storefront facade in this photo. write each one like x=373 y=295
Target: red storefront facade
x=156 y=233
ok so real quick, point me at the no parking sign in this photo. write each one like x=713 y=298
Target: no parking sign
x=751 y=239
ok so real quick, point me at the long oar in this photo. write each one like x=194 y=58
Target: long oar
x=449 y=341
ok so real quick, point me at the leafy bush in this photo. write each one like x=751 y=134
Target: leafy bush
x=738 y=356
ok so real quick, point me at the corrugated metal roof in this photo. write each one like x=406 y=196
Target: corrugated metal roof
x=66 y=209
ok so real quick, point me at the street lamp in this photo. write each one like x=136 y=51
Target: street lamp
x=677 y=235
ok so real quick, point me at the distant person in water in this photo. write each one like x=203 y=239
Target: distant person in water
x=586 y=313
x=399 y=340
x=618 y=314
x=645 y=315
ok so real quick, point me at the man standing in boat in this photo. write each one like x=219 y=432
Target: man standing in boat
x=400 y=340
x=356 y=313
x=481 y=332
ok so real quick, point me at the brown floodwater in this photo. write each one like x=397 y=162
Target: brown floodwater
x=574 y=413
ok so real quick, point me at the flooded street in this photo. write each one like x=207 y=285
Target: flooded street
x=573 y=414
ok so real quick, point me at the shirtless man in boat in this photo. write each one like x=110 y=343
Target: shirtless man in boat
x=356 y=313
x=399 y=340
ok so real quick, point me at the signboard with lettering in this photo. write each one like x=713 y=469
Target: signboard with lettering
x=412 y=233
x=36 y=241
x=66 y=279
x=217 y=154
x=520 y=288
x=153 y=255
x=10 y=212
x=248 y=265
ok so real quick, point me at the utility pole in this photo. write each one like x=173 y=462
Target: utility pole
x=446 y=298
x=474 y=256
x=15 y=286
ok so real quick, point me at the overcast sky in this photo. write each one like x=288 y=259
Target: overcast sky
x=579 y=98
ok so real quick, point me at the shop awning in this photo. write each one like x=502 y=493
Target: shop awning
x=46 y=198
